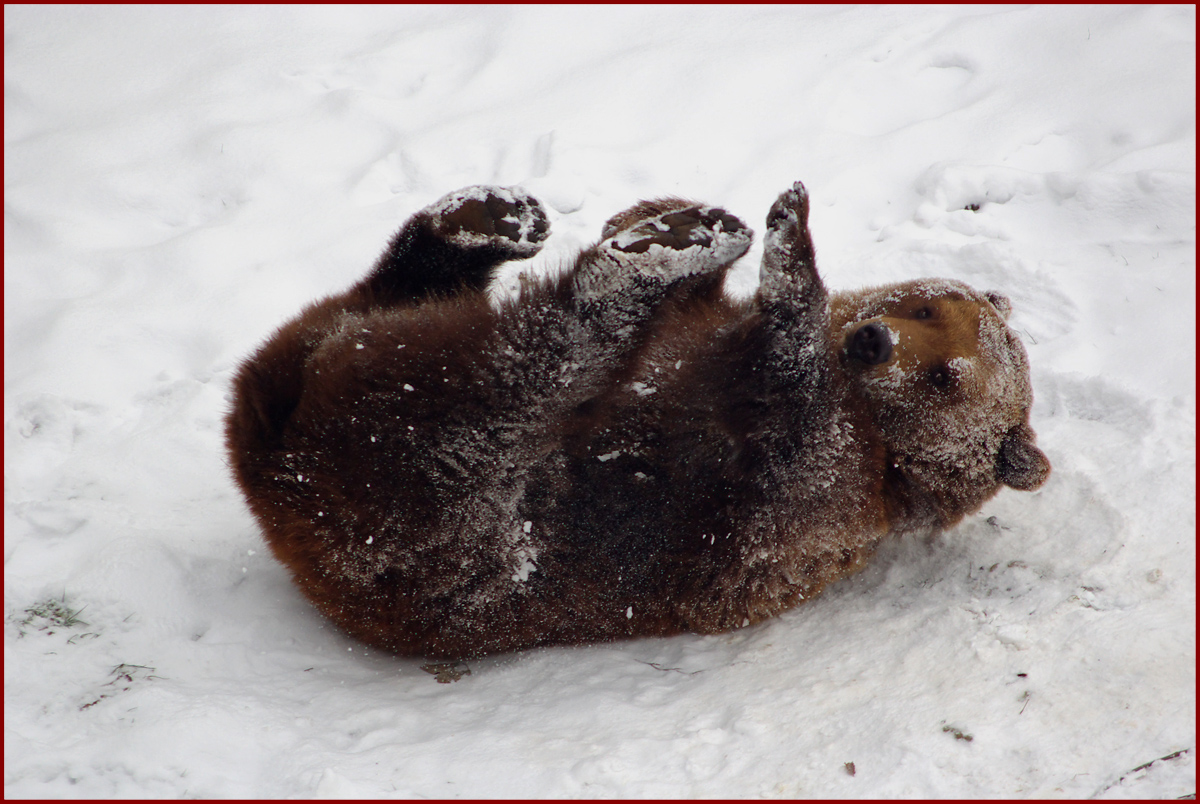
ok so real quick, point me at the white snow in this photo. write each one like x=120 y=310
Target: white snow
x=527 y=565
x=642 y=389
x=181 y=180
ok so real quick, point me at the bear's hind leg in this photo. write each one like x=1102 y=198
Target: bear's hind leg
x=456 y=243
x=564 y=344
x=451 y=245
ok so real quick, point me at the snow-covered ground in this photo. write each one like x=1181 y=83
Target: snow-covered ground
x=179 y=180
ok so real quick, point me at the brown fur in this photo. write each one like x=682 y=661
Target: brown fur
x=623 y=450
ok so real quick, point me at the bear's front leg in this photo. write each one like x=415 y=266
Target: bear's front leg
x=789 y=265
x=792 y=297
x=790 y=365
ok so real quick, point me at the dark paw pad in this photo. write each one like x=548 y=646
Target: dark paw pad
x=673 y=243
x=500 y=217
x=679 y=230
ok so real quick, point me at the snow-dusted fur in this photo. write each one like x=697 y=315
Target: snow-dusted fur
x=620 y=451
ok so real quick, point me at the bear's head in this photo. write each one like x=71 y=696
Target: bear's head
x=947 y=384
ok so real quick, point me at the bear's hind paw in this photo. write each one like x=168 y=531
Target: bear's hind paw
x=506 y=219
x=692 y=240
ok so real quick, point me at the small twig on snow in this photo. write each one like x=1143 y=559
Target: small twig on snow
x=1126 y=775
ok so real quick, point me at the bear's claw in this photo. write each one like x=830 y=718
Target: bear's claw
x=504 y=218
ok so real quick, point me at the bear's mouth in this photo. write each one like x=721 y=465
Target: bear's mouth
x=870 y=344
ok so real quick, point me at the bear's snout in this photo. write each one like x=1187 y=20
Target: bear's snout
x=870 y=343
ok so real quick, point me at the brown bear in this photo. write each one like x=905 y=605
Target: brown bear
x=621 y=450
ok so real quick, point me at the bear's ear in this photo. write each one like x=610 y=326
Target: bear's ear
x=1020 y=464
x=1000 y=302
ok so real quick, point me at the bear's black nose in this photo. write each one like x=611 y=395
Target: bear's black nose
x=870 y=343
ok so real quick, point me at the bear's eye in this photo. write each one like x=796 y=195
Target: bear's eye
x=940 y=377
x=922 y=313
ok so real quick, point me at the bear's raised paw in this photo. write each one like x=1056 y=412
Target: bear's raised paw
x=506 y=219
x=790 y=209
x=692 y=240
x=789 y=263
